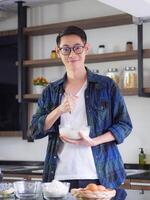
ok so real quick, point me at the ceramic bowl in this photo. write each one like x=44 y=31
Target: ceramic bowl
x=55 y=189
x=74 y=133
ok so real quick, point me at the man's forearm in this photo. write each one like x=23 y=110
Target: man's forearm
x=51 y=118
x=106 y=137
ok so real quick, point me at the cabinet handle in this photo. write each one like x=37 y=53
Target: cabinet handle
x=139 y=184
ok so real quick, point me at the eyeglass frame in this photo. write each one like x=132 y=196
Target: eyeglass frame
x=72 y=48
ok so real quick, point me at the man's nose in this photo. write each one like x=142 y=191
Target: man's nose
x=71 y=52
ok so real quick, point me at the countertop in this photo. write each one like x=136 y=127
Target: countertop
x=21 y=167
x=134 y=171
x=121 y=194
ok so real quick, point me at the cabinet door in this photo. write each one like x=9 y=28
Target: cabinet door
x=126 y=184
x=137 y=184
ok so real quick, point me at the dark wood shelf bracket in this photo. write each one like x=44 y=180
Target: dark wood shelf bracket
x=141 y=91
x=22 y=22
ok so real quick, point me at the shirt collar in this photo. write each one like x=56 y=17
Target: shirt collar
x=90 y=77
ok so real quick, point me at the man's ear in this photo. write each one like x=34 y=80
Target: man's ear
x=87 y=48
x=57 y=51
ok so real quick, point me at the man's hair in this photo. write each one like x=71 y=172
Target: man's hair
x=72 y=30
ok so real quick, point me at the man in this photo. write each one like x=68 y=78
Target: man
x=79 y=99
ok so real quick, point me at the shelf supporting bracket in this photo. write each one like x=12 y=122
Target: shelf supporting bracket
x=141 y=92
x=22 y=46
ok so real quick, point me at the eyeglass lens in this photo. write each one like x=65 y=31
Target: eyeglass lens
x=66 y=50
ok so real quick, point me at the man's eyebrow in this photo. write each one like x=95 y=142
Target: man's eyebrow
x=69 y=45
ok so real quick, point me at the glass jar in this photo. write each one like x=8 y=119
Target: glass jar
x=113 y=74
x=53 y=54
x=129 y=46
x=130 y=77
x=101 y=49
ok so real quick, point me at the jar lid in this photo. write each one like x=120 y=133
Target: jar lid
x=127 y=68
x=53 y=51
x=133 y=68
x=129 y=42
x=112 y=70
x=101 y=46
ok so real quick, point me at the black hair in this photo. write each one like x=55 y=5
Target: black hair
x=72 y=30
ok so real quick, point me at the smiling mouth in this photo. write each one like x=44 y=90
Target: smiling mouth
x=73 y=60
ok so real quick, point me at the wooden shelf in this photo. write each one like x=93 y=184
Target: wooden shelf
x=125 y=92
x=91 y=23
x=10 y=133
x=93 y=58
x=8 y=33
x=129 y=92
x=98 y=22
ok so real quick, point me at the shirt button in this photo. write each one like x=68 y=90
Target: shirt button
x=54 y=157
x=52 y=172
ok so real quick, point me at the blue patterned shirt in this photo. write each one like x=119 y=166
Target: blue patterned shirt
x=106 y=111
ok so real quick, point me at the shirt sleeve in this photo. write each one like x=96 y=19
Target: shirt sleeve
x=121 y=122
x=44 y=107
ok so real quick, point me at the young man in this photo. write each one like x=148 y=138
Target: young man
x=79 y=99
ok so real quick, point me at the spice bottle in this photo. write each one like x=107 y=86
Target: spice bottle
x=130 y=77
x=101 y=49
x=53 y=54
x=129 y=46
x=141 y=157
x=114 y=74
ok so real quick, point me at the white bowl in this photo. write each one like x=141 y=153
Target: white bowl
x=27 y=189
x=74 y=133
x=55 y=189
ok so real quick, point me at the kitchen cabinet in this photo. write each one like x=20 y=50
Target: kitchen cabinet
x=126 y=184
x=139 y=184
x=136 y=184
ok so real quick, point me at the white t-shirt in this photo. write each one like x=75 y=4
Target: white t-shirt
x=75 y=161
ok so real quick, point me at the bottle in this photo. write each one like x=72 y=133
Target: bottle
x=141 y=157
x=129 y=46
x=101 y=49
x=130 y=77
x=53 y=54
x=113 y=73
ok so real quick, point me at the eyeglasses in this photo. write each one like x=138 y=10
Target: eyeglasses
x=66 y=50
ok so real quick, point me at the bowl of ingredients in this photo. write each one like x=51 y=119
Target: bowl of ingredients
x=6 y=190
x=55 y=189
x=27 y=189
x=74 y=133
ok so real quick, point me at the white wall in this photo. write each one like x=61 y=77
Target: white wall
x=115 y=39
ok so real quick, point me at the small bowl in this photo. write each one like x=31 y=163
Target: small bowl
x=27 y=189
x=74 y=133
x=55 y=189
x=6 y=190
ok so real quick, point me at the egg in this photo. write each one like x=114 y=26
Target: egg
x=101 y=188
x=92 y=187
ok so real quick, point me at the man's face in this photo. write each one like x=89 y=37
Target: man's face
x=72 y=51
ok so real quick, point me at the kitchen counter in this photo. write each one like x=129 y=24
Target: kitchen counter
x=121 y=194
x=134 y=171
x=21 y=166
x=20 y=170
